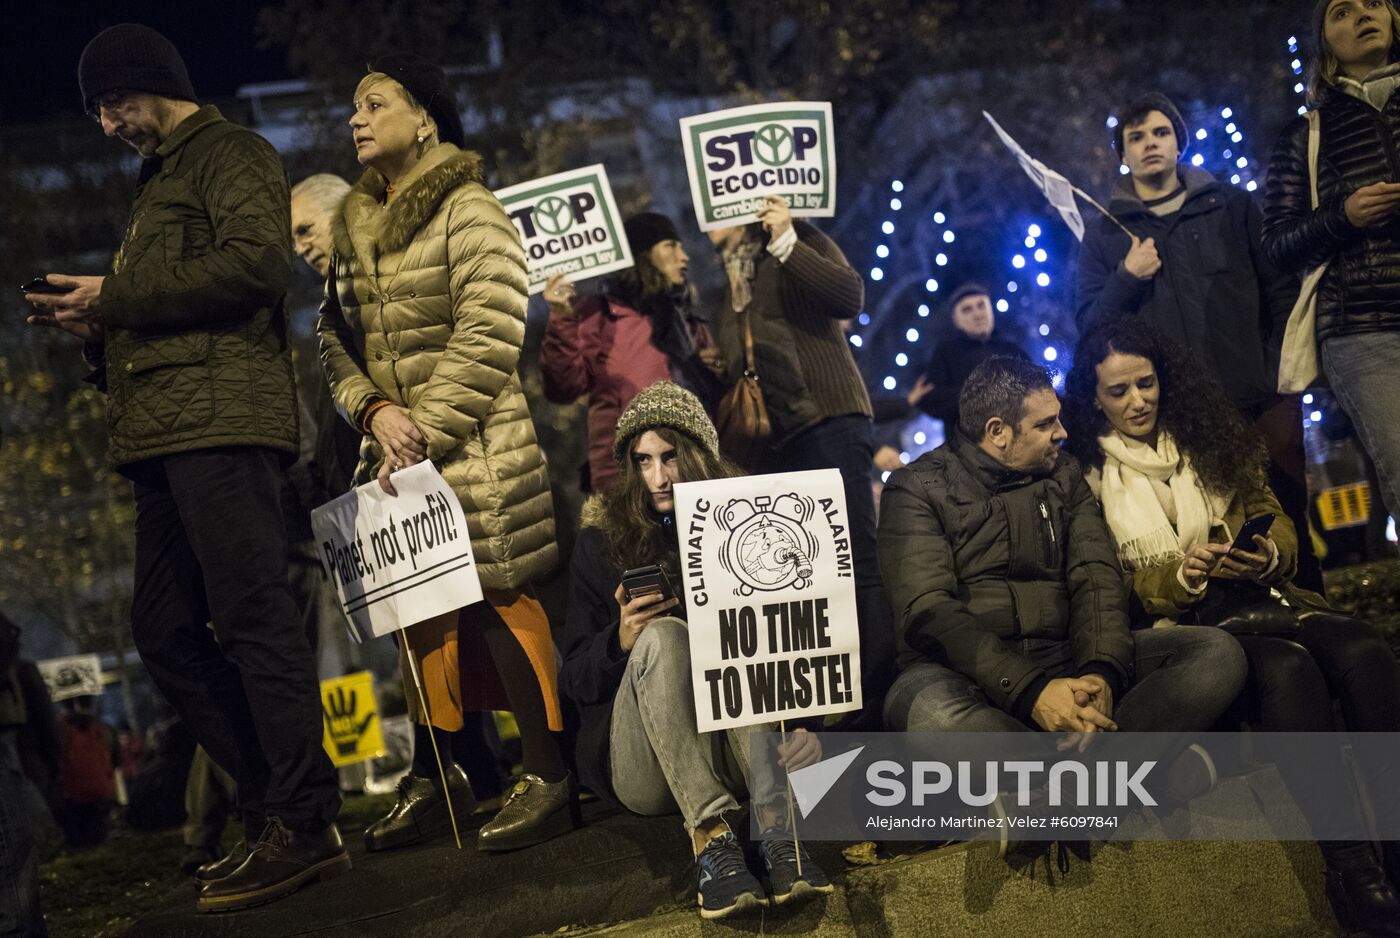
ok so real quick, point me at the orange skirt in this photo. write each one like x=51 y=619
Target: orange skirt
x=458 y=673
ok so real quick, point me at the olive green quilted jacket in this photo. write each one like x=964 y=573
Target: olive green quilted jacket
x=196 y=354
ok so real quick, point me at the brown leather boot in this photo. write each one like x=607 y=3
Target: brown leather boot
x=223 y=866
x=535 y=811
x=280 y=863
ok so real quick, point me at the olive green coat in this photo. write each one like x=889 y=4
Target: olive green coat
x=196 y=353
x=1160 y=591
x=425 y=306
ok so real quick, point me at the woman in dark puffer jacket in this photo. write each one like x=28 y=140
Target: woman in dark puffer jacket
x=1356 y=226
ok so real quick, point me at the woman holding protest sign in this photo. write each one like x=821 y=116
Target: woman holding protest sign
x=1183 y=483
x=627 y=665
x=643 y=328
x=421 y=330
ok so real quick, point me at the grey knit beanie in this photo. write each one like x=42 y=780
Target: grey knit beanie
x=665 y=404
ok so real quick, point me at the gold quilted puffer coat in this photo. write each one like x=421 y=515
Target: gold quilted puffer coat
x=425 y=306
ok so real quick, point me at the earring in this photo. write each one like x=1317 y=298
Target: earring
x=420 y=138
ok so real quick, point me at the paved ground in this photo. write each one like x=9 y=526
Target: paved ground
x=627 y=876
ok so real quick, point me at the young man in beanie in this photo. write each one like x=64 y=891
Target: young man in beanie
x=972 y=340
x=188 y=337
x=642 y=329
x=1195 y=269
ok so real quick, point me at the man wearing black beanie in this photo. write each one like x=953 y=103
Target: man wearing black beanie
x=188 y=337
x=1194 y=268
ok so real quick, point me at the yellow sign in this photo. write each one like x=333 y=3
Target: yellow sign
x=1344 y=506
x=351 y=716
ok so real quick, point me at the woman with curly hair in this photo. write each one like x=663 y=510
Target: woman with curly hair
x=1178 y=473
x=627 y=666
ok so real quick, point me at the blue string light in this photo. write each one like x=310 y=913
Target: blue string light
x=939 y=218
x=941 y=259
x=1043 y=279
x=931 y=285
x=1018 y=261
x=897 y=186
x=890 y=382
x=896 y=205
x=882 y=251
x=911 y=334
x=877 y=274
x=923 y=310
x=888 y=227
x=1040 y=255
x=856 y=341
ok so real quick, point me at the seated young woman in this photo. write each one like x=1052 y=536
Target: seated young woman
x=1179 y=473
x=627 y=666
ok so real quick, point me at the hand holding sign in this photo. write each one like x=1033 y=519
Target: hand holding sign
x=776 y=216
x=403 y=443
x=559 y=294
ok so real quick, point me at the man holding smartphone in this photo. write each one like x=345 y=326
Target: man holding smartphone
x=187 y=336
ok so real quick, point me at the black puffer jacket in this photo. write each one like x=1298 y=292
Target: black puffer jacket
x=978 y=558
x=1361 y=289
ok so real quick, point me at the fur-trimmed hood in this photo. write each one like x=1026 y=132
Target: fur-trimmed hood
x=364 y=222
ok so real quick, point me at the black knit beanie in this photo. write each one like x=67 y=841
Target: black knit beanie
x=970 y=288
x=1154 y=101
x=427 y=83
x=132 y=57
x=648 y=229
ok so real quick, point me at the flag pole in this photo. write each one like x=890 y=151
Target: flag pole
x=442 y=773
x=1106 y=213
x=792 y=820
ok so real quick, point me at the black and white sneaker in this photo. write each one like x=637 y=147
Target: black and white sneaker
x=780 y=857
x=724 y=884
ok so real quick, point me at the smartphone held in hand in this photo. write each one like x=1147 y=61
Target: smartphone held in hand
x=650 y=580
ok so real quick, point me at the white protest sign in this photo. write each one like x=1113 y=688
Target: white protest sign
x=770 y=598
x=73 y=676
x=397 y=559
x=1058 y=190
x=568 y=224
x=738 y=156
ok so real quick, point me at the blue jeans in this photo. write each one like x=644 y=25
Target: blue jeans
x=19 y=866
x=1361 y=370
x=1185 y=678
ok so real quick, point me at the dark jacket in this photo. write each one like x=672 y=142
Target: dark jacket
x=607 y=350
x=804 y=361
x=196 y=352
x=1361 y=290
x=594 y=662
x=977 y=558
x=947 y=370
x=1216 y=293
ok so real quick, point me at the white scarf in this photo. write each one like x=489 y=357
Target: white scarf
x=1135 y=515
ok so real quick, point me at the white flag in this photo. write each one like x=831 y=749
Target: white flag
x=1057 y=188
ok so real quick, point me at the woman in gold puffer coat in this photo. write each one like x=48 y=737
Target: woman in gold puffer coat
x=420 y=331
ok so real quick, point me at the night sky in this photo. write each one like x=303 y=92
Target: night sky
x=44 y=39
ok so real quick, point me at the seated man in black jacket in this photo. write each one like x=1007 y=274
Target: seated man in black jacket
x=1011 y=606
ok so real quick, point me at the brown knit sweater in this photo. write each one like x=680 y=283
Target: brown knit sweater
x=804 y=363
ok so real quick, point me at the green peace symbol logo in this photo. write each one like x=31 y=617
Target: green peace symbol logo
x=772 y=144
x=553 y=215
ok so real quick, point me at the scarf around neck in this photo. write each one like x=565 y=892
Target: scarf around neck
x=1135 y=515
x=739 y=262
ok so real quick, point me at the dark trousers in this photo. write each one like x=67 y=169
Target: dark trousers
x=211 y=547
x=1292 y=684
x=845 y=443
x=1184 y=679
x=1281 y=426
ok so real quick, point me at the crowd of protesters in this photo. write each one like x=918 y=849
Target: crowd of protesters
x=1033 y=573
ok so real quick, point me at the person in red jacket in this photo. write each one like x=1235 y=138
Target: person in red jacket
x=642 y=329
